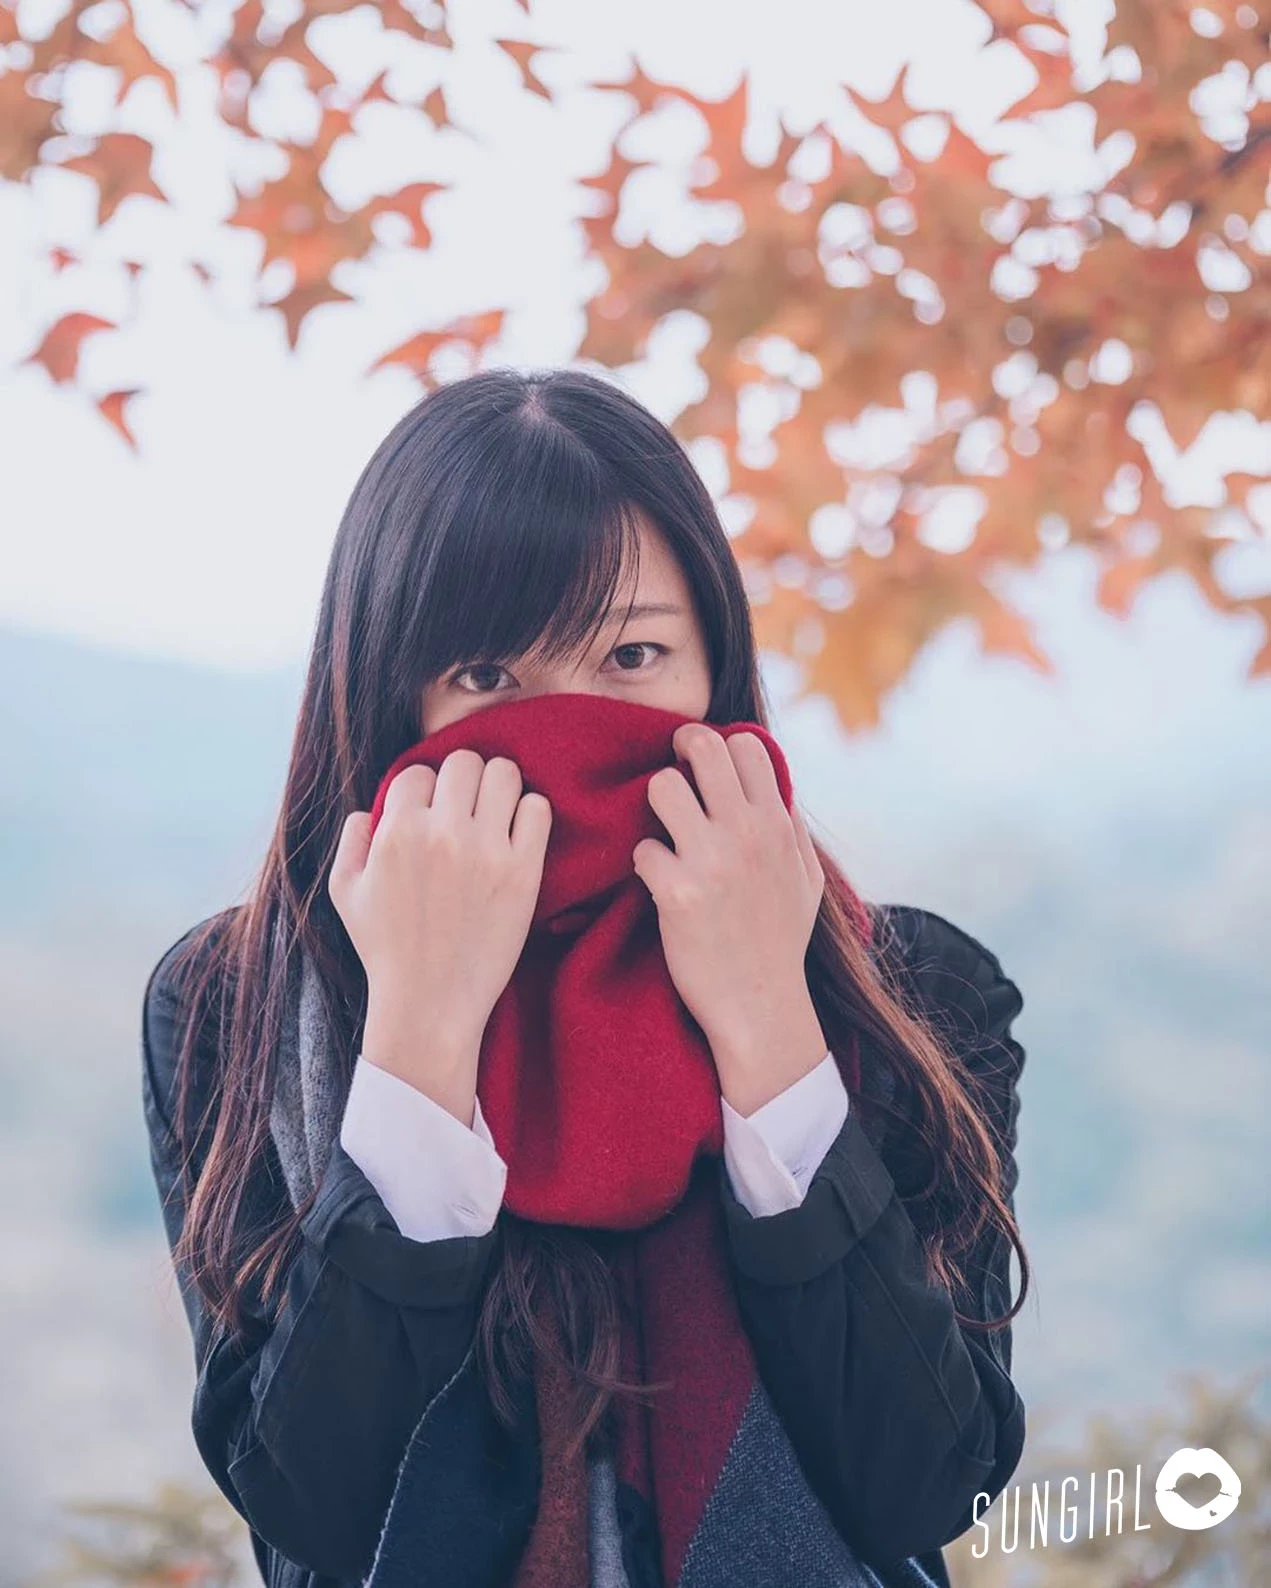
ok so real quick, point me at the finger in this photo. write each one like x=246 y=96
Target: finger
x=351 y=851
x=458 y=782
x=755 y=771
x=713 y=768
x=531 y=827
x=654 y=864
x=811 y=861
x=676 y=806
x=413 y=785
x=499 y=791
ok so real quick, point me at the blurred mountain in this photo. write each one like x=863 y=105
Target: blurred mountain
x=147 y=786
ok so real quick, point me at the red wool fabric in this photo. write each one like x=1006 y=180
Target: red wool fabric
x=602 y=1096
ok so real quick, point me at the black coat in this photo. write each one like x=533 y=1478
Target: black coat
x=899 y=1416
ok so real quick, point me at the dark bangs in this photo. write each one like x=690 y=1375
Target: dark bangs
x=530 y=538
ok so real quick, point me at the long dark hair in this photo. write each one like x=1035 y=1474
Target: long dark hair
x=497 y=516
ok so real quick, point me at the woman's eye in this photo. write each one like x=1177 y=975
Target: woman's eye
x=635 y=646
x=487 y=674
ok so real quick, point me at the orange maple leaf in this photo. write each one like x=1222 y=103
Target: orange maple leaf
x=415 y=353
x=112 y=408
x=59 y=349
x=522 y=51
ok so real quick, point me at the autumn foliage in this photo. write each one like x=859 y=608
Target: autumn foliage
x=1032 y=342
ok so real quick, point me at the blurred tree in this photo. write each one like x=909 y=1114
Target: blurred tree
x=1031 y=350
x=183 y=1538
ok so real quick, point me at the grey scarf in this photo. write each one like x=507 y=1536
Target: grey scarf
x=308 y=1102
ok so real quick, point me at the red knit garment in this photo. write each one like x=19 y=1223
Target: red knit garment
x=602 y=1096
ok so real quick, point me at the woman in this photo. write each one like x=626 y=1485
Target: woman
x=397 y=1373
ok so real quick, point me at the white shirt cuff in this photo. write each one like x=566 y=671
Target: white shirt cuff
x=772 y=1154
x=437 y=1177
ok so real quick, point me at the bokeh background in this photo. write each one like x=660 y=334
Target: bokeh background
x=1102 y=822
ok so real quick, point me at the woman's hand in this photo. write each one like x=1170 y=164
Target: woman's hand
x=737 y=899
x=438 y=906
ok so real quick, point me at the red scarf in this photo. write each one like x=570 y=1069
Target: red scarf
x=602 y=1096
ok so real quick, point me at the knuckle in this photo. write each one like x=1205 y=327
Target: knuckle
x=716 y=869
x=716 y=853
x=393 y=835
x=752 y=838
x=442 y=839
x=683 y=896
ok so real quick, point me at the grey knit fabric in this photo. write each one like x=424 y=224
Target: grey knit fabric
x=308 y=1102
x=763 y=1517
x=604 y=1532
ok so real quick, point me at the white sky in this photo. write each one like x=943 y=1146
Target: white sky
x=210 y=544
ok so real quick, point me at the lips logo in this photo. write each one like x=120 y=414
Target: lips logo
x=1180 y=1512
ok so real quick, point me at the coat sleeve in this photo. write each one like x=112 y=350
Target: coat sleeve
x=900 y=1415
x=303 y=1421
